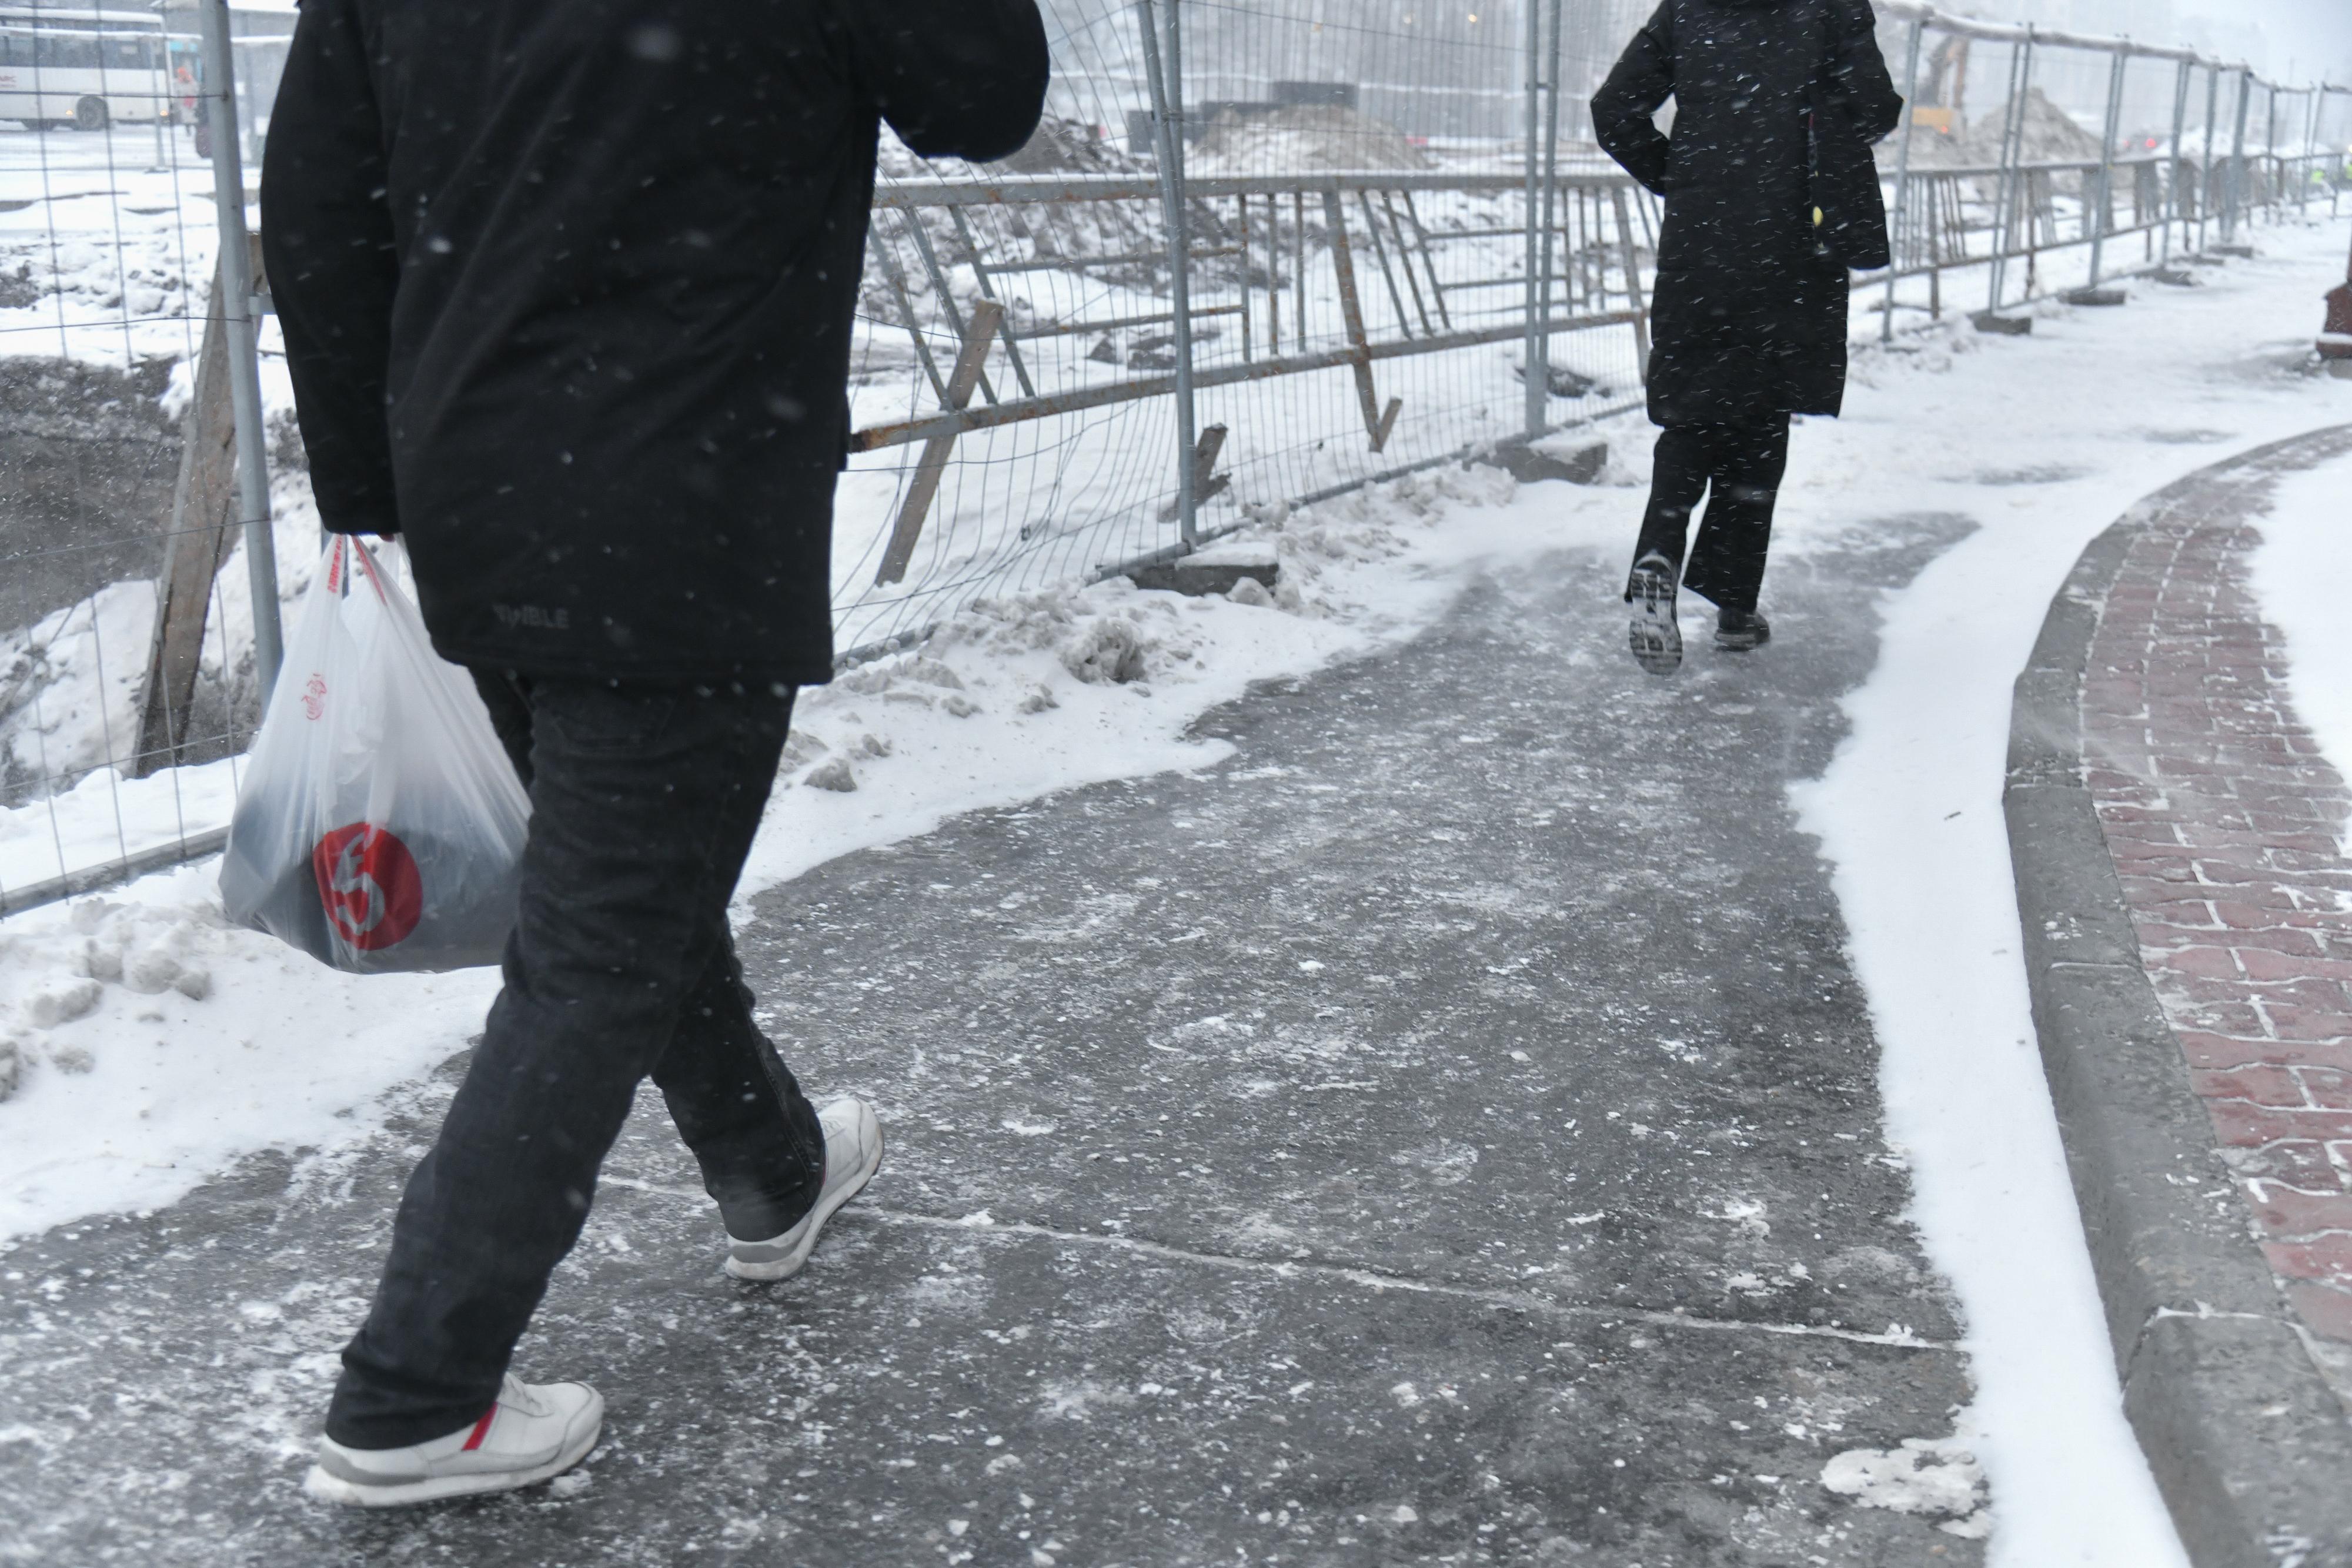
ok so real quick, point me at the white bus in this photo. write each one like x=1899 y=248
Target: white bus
x=88 y=65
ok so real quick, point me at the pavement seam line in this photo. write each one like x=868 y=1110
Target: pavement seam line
x=1362 y=1278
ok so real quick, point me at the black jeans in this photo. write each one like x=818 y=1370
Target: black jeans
x=1744 y=464
x=644 y=801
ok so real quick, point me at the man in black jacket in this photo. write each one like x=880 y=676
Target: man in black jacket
x=1749 y=310
x=566 y=287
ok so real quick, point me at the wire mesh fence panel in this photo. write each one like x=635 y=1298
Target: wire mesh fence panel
x=1259 y=252
x=1347 y=187
x=126 y=615
x=2034 y=164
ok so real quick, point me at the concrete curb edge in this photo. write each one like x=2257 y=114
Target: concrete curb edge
x=2246 y=1438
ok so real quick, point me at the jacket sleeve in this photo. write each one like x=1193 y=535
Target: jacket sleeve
x=327 y=247
x=961 y=78
x=1643 y=80
x=1859 y=72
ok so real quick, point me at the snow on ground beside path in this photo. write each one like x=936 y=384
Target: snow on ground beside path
x=2044 y=443
x=2303 y=577
x=1026 y=696
x=149 y=1045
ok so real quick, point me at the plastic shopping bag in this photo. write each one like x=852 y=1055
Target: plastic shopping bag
x=380 y=825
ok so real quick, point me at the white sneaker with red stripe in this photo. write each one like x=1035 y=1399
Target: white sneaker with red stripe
x=852 y=1152
x=534 y=1431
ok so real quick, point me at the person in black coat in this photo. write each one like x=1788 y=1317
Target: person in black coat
x=566 y=287
x=1749 y=310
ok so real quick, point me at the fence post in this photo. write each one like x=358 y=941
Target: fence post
x=2012 y=154
x=2205 y=176
x=2179 y=129
x=1550 y=210
x=2310 y=150
x=1902 y=179
x=235 y=308
x=1536 y=375
x=2105 y=218
x=1164 y=68
x=2270 y=153
x=2236 y=181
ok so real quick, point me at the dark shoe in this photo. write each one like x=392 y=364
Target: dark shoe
x=1656 y=639
x=1741 y=631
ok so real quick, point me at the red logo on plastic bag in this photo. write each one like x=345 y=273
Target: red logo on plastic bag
x=314 y=696
x=369 y=883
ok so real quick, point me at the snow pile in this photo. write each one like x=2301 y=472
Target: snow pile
x=1938 y=1479
x=2051 y=136
x=69 y=688
x=1302 y=137
x=145 y=1044
x=2299 y=573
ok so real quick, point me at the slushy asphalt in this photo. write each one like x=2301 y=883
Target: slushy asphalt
x=1447 y=1131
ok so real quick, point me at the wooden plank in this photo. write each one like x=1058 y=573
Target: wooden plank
x=197 y=536
x=1377 y=424
x=979 y=330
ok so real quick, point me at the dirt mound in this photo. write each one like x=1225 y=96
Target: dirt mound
x=1302 y=137
x=2051 y=136
x=1069 y=147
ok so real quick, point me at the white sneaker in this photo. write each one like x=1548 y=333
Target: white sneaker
x=534 y=1431
x=852 y=1152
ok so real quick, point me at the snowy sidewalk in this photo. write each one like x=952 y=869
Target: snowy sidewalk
x=1446 y=1131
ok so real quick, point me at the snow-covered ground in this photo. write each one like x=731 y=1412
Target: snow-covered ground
x=149 y=1045
x=2043 y=443
x=2301 y=574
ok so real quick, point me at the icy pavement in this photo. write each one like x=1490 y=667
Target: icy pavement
x=1617 y=845
x=1443 y=1129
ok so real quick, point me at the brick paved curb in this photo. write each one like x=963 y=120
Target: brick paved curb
x=2246 y=1437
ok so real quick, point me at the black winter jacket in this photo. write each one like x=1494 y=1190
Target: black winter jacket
x=1749 y=314
x=566 y=288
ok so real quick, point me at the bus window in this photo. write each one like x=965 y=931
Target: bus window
x=66 y=54
x=125 y=54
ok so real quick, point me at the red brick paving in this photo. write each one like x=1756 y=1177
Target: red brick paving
x=2225 y=824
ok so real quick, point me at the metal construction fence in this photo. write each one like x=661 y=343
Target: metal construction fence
x=1261 y=253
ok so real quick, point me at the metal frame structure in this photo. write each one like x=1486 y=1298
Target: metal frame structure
x=1395 y=295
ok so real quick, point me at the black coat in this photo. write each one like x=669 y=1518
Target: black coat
x=1749 y=314
x=566 y=287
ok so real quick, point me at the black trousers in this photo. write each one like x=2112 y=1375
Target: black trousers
x=644 y=802
x=1742 y=465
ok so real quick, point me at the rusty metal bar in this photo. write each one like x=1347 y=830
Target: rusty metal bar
x=1381 y=254
x=1115 y=323
x=1404 y=265
x=1428 y=262
x=908 y=432
x=1048 y=189
x=1080 y=263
